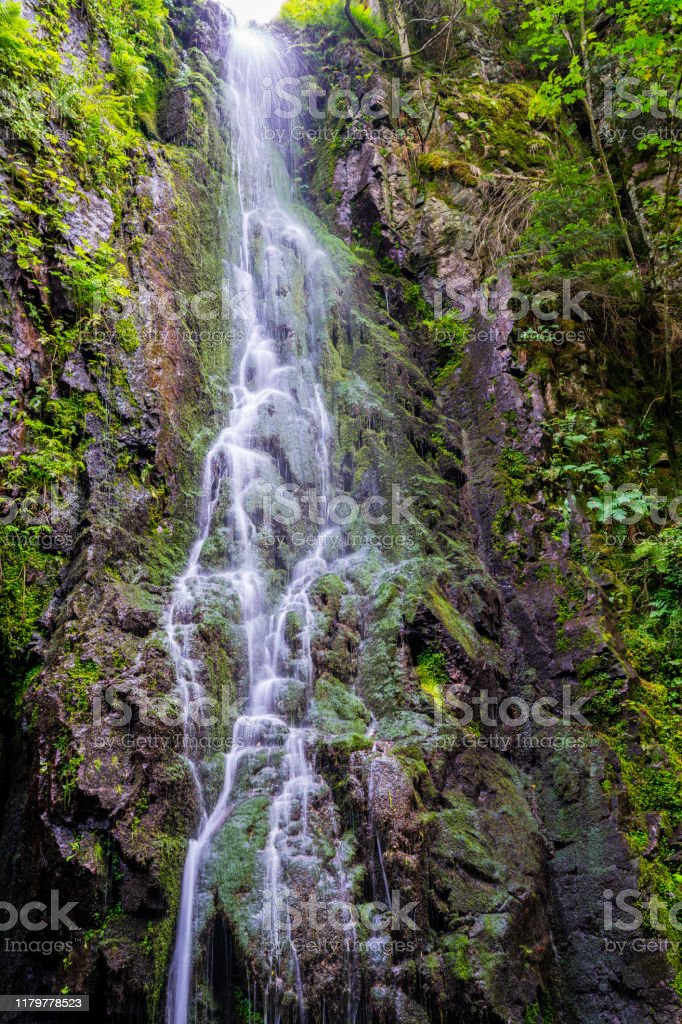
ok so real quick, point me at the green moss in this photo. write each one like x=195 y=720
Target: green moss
x=440 y=162
x=477 y=647
x=78 y=691
x=235 y=861
x=514 y=467
x=457 y=956
x=514 y=476
x=169 y=852
x=339 y=748
x=67 y=775
x=328 y=592
x=432 y=675
x=638 y=840
x=596 y=677
x=336 y=710
x=126 y=333
x=492 y=121
x=28 y=580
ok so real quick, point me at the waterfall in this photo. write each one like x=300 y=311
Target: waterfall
x=278 y=431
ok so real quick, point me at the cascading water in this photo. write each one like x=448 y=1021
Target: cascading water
x=277 y=432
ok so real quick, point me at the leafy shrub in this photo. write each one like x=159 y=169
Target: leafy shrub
x=19 y=51
x=571 y=233
x=329 y=14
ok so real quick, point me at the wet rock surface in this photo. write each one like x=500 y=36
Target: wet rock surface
x=477 y=853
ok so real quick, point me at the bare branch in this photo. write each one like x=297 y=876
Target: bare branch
x=358 y=29
x=414 y=53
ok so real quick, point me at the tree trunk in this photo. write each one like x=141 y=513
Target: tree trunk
x=400 y=26
x=358 y=29
x=597 y=143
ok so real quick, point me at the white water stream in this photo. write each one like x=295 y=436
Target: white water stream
x=273 y=390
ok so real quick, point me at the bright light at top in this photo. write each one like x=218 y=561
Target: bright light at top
x=254 y=10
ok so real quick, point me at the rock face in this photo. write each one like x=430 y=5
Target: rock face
x=109 y=378
x=483 y=818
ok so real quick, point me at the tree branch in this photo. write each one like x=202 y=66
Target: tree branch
x=358 y=29
x=428 y=42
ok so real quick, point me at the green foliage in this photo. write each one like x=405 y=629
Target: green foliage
x=433 y=675
x=646 y=45
x=70 y=128
x=448 y=335
x=589 y=455
x=556 y=29
x=636 y=555
x=570 y=41
x=643 y=41
x=101 y=106
x=94 y=278
x=130 y=73
x=571 y=233
x=540 y=1012
x=28 y=577
x=328 y=14
x=619 y=507
x=246 y=1014
x=68 y=777
x=20 y=52
x=653 y=628
x=55 y=443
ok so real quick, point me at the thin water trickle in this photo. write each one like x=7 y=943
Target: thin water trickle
x=273 y=380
